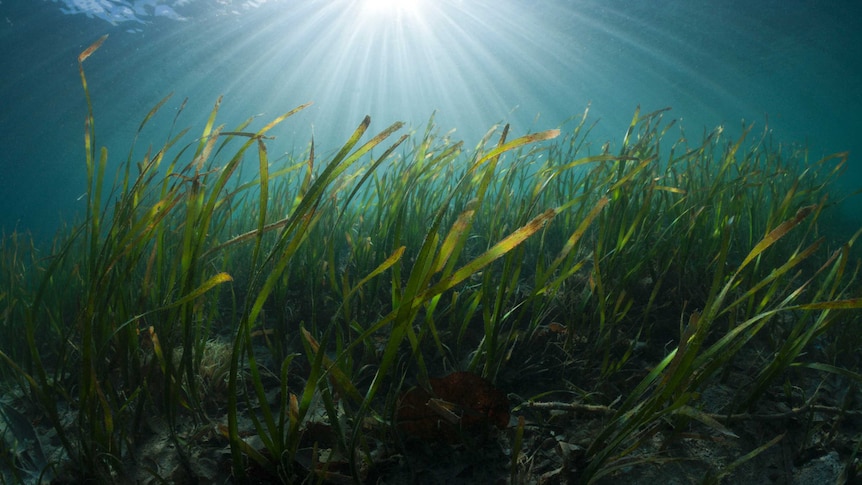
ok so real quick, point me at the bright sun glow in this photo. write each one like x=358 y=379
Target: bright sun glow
x=401 y=60
x=392 y=6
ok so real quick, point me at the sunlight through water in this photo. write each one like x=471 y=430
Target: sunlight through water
x=383 y=7
x=471 y=63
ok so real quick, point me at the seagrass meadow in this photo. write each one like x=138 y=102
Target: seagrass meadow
x=535 y=308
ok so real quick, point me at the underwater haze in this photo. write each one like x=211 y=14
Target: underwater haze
x=796 y=65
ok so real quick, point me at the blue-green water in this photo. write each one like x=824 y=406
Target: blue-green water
x=534 y=64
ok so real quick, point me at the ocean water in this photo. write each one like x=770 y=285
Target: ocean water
x=796 y=65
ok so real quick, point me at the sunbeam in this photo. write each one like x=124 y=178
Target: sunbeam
x=384 y=7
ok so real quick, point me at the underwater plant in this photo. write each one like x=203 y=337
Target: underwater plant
x=314 y=322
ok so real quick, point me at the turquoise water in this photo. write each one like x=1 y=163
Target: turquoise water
x=475 y=62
